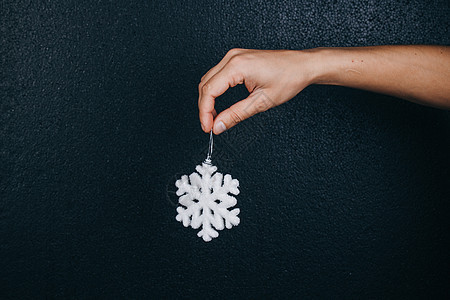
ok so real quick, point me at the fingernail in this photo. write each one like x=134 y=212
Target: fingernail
x=203 y=127
x=219 y=127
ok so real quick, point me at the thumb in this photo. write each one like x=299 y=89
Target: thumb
x=255 y=103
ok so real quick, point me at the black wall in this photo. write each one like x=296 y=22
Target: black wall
x=344 y=193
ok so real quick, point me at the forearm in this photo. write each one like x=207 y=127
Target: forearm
x=416 y=73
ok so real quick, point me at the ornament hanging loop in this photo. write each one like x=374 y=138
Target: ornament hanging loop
x=210 y=149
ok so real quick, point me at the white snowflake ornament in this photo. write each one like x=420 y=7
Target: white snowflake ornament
x=205 y=200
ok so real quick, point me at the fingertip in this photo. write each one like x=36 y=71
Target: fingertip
x=206 y=121
x=219 y=127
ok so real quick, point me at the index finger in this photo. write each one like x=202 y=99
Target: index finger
x=217 y=85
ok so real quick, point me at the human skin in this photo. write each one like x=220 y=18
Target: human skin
x=419 y=74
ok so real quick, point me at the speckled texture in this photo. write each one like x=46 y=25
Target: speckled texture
x=344 y=193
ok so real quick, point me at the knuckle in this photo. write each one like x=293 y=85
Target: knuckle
x=203 y=108
x=236 y=116
x=205 y=88
x=236 y=60
x=233 y=51
x=261 y=105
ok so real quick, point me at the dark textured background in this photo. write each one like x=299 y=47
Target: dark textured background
x=344 y=193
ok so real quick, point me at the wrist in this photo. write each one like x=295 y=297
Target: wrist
x=324 y=63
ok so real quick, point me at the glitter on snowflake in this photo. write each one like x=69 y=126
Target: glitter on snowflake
x=205 y=201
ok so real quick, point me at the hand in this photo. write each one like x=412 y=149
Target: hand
x=271 y=77
x=416 y=73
